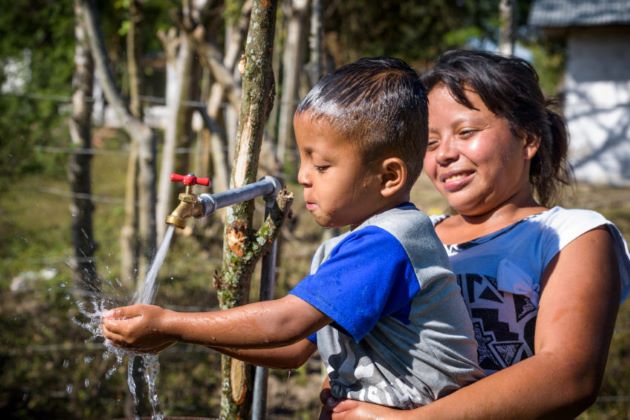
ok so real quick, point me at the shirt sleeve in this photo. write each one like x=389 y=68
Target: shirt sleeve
x=568 y=225
x=367 y=277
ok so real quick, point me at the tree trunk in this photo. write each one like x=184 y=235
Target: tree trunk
x=316 y=42
x=79 y=164
x=129 y=246
x=136 y=129
x=133 y=58
x=217 y=147
x=269 y=152
x=507 y=30
x=179 y=65
x=291 y=69
x=129 y=252
x=241 y=248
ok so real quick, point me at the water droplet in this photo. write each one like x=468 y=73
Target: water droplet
x=66 y=363
x=69 y=388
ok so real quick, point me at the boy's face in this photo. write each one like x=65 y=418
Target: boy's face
x=339 y=189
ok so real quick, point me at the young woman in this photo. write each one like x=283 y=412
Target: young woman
x=543 y=284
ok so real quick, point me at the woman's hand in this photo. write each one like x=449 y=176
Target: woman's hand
x=137 y=327
x=351 y=409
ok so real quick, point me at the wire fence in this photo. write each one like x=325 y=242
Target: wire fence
x=147 y=99
x=92 y=151
x=154 y=100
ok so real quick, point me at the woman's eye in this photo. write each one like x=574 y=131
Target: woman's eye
x=432 y=144
x=466 y=133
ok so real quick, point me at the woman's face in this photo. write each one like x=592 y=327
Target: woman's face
x=473 y=158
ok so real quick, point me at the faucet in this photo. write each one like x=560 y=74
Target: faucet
x=192 y=205
x=189 y=203
x=202 y=205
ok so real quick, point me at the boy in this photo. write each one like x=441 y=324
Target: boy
x=391 y=324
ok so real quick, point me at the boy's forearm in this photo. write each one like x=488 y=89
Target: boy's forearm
x=287 y=357
x=266 y=324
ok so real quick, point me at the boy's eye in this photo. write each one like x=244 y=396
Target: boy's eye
x=321 y=168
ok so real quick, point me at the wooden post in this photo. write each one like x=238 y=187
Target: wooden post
x=79 y=163
x=136 y=129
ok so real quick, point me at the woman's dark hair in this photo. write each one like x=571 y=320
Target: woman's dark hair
x=509 y=87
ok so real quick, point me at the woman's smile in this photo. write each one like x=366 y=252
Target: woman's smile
x=456 y=180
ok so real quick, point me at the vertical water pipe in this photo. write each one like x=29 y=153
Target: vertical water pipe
x=267 y=283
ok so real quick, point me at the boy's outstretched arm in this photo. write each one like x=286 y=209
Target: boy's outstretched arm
x=286 y=357
x=273 y=323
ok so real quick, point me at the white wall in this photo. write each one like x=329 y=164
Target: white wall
x=597 y=104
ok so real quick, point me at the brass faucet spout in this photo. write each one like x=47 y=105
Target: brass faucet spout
x=189 y=206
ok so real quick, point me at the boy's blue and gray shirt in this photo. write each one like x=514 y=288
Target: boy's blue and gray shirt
x=401 y=335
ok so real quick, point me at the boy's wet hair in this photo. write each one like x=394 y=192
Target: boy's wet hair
x=380 y=105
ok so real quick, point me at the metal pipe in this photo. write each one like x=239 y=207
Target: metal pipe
x=267 y=186
x=267 y=283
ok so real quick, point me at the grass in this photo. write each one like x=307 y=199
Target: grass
x=47 y=369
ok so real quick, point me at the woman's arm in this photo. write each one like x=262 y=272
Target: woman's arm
x=265 y=324
x=574 y=327
x=286 y=357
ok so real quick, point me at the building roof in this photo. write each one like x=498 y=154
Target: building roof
x=565 y=13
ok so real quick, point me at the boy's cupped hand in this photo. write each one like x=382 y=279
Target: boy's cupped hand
x=137 y=328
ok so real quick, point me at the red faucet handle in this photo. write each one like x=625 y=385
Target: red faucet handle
x=190 y=179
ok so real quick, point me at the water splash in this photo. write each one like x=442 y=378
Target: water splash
x=93 y=310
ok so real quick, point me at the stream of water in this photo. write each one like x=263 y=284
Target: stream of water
x=94 y=309
x=148 y=288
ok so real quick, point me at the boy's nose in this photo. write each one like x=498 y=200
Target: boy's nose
x=302 y=176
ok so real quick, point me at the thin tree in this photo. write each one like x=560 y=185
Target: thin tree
x=507 y=26
x=225 y=90
x=79 y=163
x=129 y=252
x=297 y=12
x=143 y=141
x=179 y=57
x=243 y=246
x=219 y=146
x=316 y=42
x=139 y=132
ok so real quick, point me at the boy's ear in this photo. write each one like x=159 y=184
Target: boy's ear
x=393 y=176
